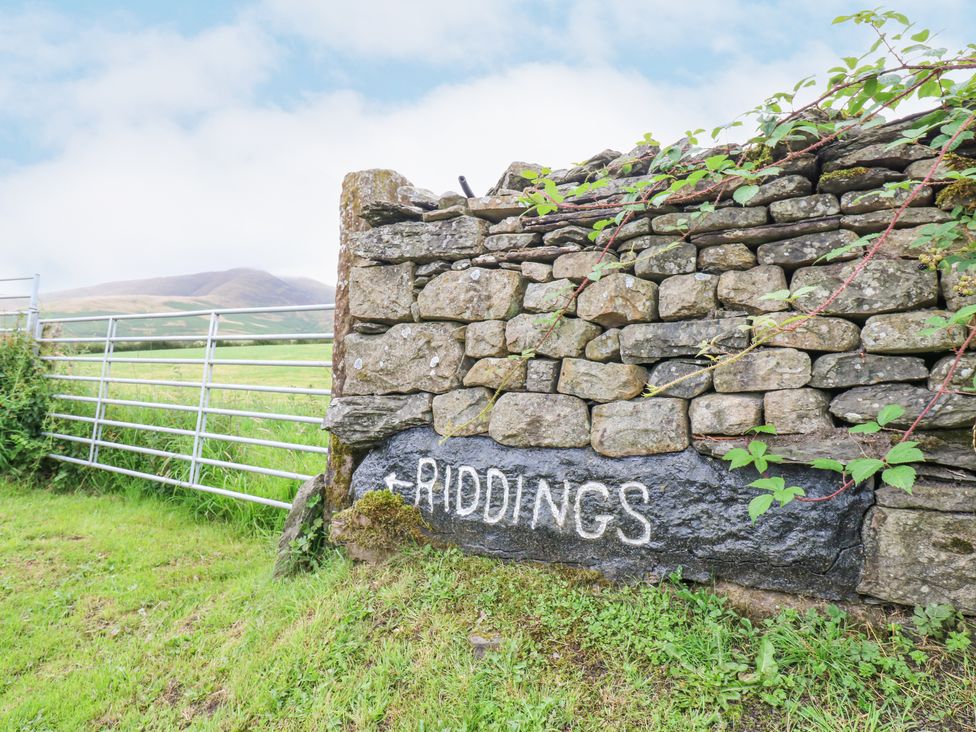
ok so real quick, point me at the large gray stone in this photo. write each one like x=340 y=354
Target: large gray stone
x=526 y=332
x=567 y=235
x=920 y=557
x=650 y=342
x=725 y=257
x=308 y=515
x=881 y=155
x=903 y=333
x=497 y=373
x=863 y=403
x=383 y=294
x=857 y=179
x=601 y=382
x=660 y=261
x=495 y=208
x=868 y=223
x=485 y=339
x=618 y=299
x=717 y=220
x=769 y=232
x=789 y=186
x=725 y=414
x=818 y=333
x=545 y=297
x=472 y=294
x=808 y=207
x=684 y=297
x=962 y=378
x=797 y=411
x=631 y=230
x=640 y=427
x=802 y=251
x=931 y=495
x=462 y=412
x=536 y=271
x=764 y=369
x=409 y=357
x=857 y=202
x=883 y=286
x=509 y=242
x=745 y=290
x=605 y=347
x=542 y=375
x=696 y=381
x=456 y=238
x=364 y=421
x=540 y=420
x=921 y=169
x=843 y=370
x=578 y=266
x=630 y=517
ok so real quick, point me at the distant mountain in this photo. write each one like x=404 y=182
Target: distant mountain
x=233 y=288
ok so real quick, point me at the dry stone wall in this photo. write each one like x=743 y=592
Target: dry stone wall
x=446 y=293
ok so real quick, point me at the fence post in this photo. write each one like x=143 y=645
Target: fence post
x=103 y=387
x=34 y=308
x=205 y=381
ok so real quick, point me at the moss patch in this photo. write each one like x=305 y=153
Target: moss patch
x=843 y=174
x=961 y=193
x=955 y=161
x=376 y=524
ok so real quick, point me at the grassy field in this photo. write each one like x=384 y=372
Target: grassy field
x=255 y=484
x=129 y=614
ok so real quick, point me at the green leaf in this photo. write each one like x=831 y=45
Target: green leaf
x=743 y=194
x=769 y=429
x=889 y=413
x=868 y=428
x=827 y=464
x=766 y=666
x=921 y=36
x=738 y=458
x=769 y=484
x=863 y=468
x=776 y=295
x=902 y=477
x=759 y=505
x=904 y=452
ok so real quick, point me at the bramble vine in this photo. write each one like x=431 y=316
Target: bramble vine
x=900 y=66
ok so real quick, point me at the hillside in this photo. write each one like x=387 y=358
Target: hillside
x=234 y=288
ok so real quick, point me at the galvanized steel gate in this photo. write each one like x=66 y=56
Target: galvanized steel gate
x=206 y=386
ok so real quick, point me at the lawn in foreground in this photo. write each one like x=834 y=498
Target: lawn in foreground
x=128 y=614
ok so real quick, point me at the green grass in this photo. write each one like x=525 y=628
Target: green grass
x=129 y=614
x=204 y=504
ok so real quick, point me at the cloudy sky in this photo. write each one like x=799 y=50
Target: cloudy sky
x=164 y=137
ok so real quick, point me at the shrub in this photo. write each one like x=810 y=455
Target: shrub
x=24 y=399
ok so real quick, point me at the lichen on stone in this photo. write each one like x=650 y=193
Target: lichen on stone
x=843 y=174
x=375 y=525
x=961 y=193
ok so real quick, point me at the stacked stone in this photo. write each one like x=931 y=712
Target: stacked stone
x=449 y=292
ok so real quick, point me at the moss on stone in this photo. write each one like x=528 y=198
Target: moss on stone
x=843 y=174
x=955 y=161
x=961 y=193
x=378 y=523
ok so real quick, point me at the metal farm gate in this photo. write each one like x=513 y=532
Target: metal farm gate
x=19 y=306
x=90 y=357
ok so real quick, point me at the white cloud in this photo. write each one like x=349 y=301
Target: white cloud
x=163 y=161
x=432 y=30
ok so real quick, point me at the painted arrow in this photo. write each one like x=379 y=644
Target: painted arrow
x=392 y=483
